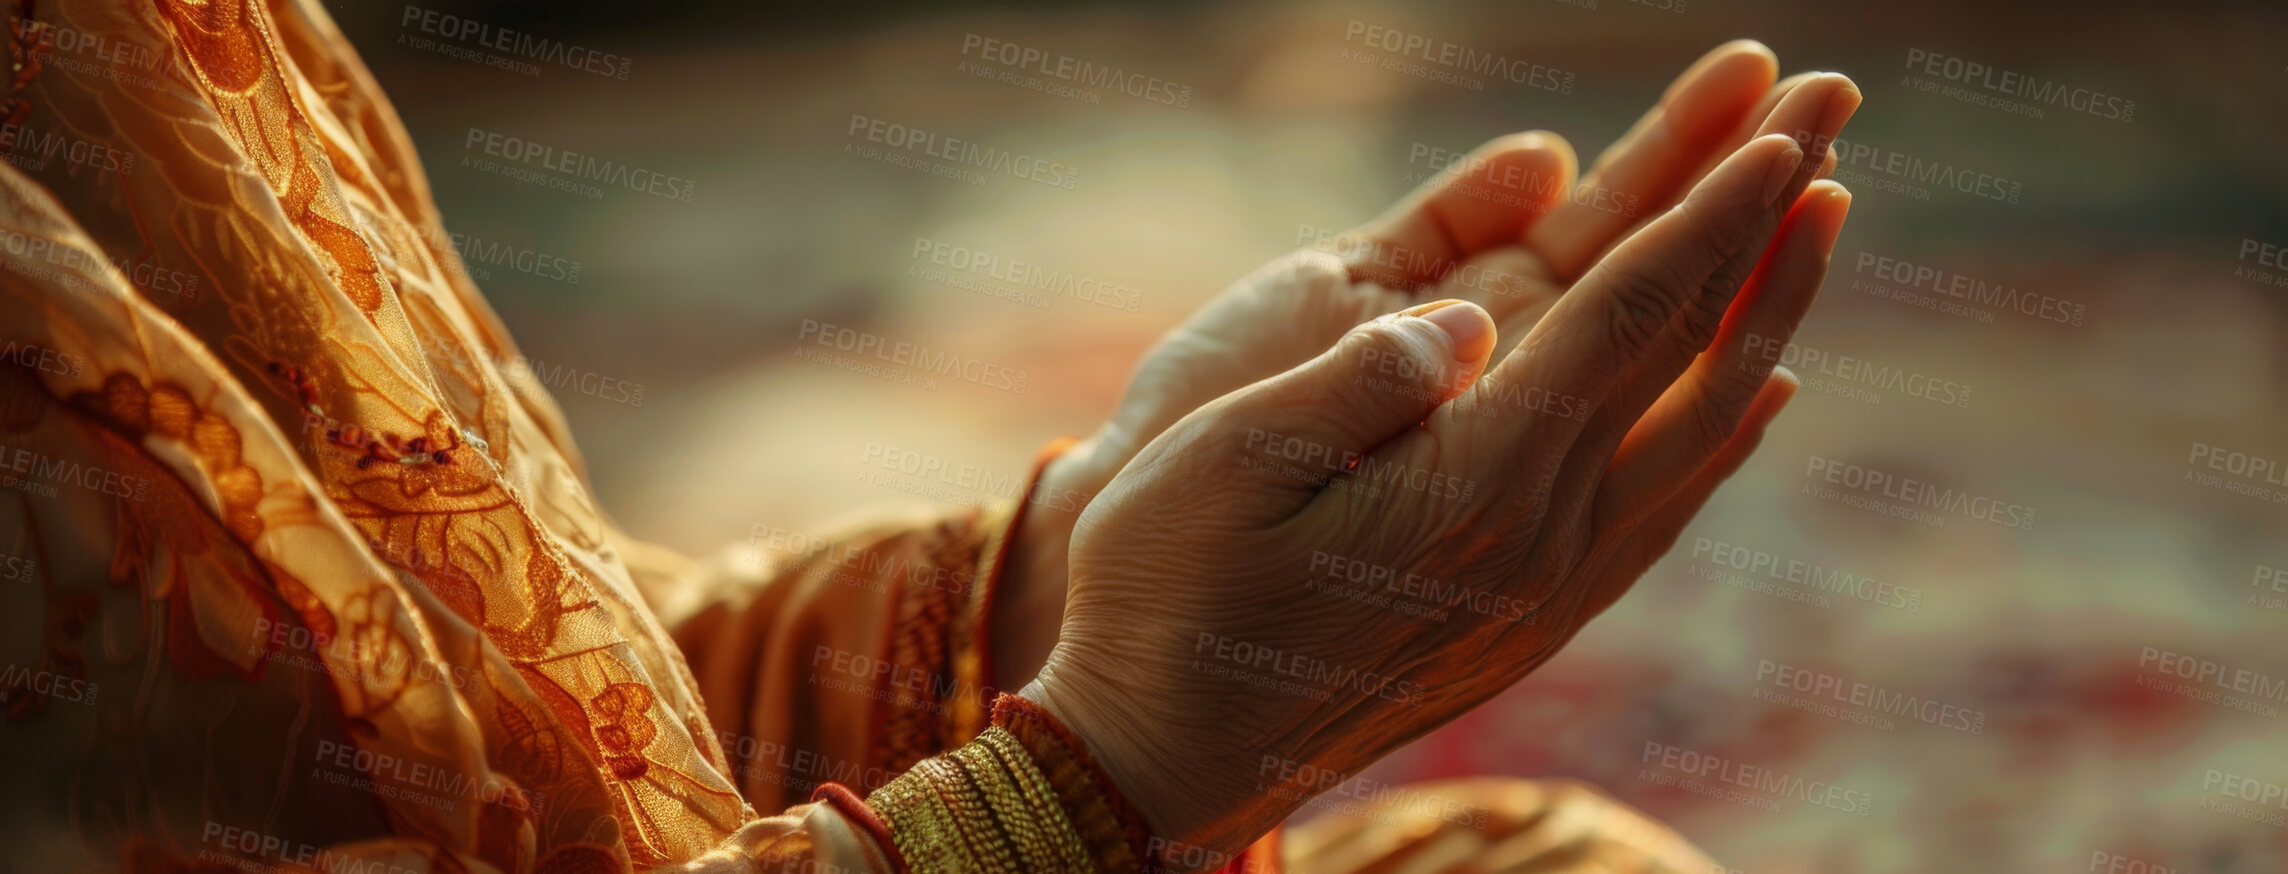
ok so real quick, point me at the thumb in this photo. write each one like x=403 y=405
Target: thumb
x=1312 y=423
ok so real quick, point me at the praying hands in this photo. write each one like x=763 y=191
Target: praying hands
x=1513 y=387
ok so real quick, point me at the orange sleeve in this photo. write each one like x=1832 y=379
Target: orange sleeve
x=844 y=657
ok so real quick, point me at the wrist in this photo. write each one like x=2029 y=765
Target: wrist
x=1029 y=607
x=1126 y=758
x=1192 y=768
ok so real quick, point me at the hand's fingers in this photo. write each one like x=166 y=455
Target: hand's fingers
x=1650 y=375
x=1509 y=280
x=1652 y=539
x=1750 y=126
x=1812 y=107
x=1304 y=427
x=1486 y=198
x=1758 y=121
x=1813 y=113
x=1700 y=412
x=1658 y=158
x=1658 y=293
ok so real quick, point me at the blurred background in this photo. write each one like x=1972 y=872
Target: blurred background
x=2096 y=689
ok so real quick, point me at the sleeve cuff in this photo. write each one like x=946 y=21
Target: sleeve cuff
x=940 y=629
x=973 y=649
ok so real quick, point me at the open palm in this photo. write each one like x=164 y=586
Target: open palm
x=1507 y=227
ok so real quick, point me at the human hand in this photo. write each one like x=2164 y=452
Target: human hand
x=1505 y=227
x=1200 y=635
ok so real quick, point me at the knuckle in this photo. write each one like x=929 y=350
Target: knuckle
x=1371 y=342
x=1317 y=273
x=1382 y=364
x=1721 y=229
x=1712 y=425
x=1734 y=386
x=1641 y=302
x=1700 y=317
x=1733 y=273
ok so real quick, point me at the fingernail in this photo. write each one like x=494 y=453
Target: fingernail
x=1838 y=111
x=1841 y=196
x=1469 y=331
x=1783 y=169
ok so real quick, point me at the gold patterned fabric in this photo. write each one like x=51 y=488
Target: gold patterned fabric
x=300 y=568
x=324 y=572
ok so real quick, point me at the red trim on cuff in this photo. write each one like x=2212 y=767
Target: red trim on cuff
x=1034 y=724
x=839 y=797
